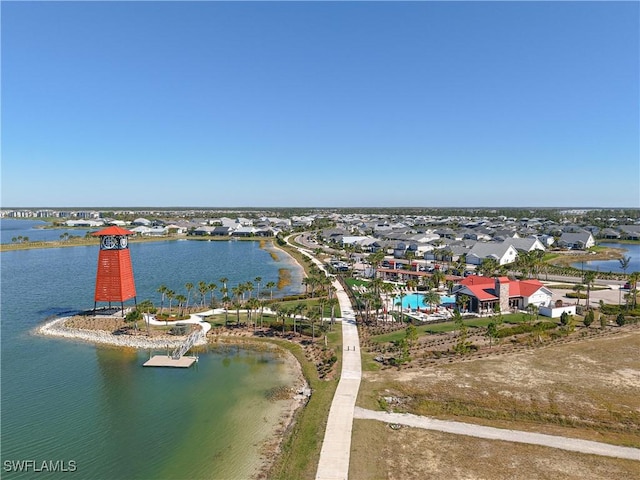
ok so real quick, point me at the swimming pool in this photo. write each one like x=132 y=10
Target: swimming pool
x=416 y=300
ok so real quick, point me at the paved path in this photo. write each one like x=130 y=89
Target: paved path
x=459 y=428
x=336 y=447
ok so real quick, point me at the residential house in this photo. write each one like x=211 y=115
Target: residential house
x=486 y=293
x=503 y=253
x=576 y=241
x=527 y=244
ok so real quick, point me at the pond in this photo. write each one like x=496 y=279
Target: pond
x=632 y=251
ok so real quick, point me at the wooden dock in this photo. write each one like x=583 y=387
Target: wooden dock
x=168 y=361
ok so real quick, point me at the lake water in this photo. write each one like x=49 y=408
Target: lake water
x=12 y=228
x=97 y=406
x=632 y=251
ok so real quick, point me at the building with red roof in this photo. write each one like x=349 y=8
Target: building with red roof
x=485 y=293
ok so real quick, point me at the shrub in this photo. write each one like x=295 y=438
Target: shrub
x=589 y=318
x=575 y=295
x=525 y=328
x=620 y=320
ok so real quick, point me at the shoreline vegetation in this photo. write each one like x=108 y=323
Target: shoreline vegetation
x=294 y=446
x=84 y=242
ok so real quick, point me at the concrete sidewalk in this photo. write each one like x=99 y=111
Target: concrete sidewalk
x=492 y=433
x=336 y=447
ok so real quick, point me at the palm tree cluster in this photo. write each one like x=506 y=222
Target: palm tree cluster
x=530 y=263
x=20 y=239
x=316 y=282
x=203 y=294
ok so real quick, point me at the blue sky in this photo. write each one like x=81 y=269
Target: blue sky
x=229 y=104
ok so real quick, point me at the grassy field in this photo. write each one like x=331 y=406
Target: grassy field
x=585 y=389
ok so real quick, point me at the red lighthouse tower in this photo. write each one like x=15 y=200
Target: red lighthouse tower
x=114 y=280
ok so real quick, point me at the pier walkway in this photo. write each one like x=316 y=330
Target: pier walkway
x=197 y=337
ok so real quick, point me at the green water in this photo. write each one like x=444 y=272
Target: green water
x=98 y=407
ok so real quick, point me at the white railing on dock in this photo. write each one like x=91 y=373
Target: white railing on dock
x=189 y=342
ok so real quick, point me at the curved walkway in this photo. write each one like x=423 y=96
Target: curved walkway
x=197 y=318
x=491 y=433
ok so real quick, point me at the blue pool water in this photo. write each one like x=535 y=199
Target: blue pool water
x=416 y=300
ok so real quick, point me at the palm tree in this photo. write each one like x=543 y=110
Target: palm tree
x=624 y=264
x=401 y=295
x=375 y=259
x=389 y=290
x=411 y=284
x=282 y=313
x=224 y=281
x=431 y=298
x=409 y=255
x=537 y=262
x=297 y=310
x=189 y=287
x=488 y=267
x=236 y=304
x=162 y=290
x=170 y=295
x=248 y=287
x=212 y=287
x=225 y=302
x=437 y=278
x=589 y=280
x=258 y=280
x=181 y=299
x=271 y=286
x=203 y=287
x=237 y=292
x=263 y=303
x=253 y=304
x=312 y=315
x=462 y=301
x=578 y=288
x=332 y=302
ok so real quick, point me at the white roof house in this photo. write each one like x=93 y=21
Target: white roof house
x=503 y=253
x=527 y=244
x=141 y=221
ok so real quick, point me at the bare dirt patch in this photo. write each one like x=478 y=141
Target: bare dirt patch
x=406 y=453
x=584 y=389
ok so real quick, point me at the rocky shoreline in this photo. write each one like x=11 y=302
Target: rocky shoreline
x=57 y=328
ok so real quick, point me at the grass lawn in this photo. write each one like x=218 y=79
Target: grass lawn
x=356 y=282
x=513 y=318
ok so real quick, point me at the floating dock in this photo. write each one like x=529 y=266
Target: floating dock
x=168 y=361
